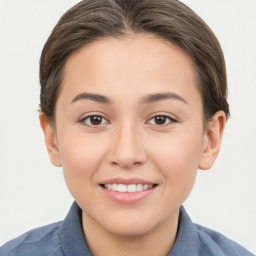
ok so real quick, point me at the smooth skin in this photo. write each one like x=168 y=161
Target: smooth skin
x=129 y=131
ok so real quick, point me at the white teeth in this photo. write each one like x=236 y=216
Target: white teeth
x=128 y=188
x=139 y=187
x=121 y=188
x=114 y=187
x=131 y=188
x=145 y=187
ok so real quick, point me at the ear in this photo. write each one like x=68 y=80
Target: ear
x=50 y=140
x=212 y=140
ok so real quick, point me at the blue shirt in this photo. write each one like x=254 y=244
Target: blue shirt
x=66 y=239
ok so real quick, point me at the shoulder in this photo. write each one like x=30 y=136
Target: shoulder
x=196 y=240
x=37 y=242
x=215 y=241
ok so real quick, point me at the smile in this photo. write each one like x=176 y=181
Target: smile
x=128 y=191
x=130 y=188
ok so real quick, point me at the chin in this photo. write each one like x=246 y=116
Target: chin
x=130 y=230
x=128 y=225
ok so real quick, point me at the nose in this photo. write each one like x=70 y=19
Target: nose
x=127 y=149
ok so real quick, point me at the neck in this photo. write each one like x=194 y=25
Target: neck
x=156 y=242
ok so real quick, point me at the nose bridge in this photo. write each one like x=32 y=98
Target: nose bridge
x=127 y=147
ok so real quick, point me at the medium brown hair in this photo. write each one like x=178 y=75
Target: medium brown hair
x=170 y=20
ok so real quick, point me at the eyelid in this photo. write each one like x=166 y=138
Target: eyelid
x=171 y=118
x=89 y=115
x=82 y=119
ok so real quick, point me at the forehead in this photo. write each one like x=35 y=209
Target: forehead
x=136 y=65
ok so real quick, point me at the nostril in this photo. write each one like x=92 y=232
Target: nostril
x=137 y=163
x=126 y=163
x=114 y=163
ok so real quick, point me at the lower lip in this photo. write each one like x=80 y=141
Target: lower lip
x=128 y=197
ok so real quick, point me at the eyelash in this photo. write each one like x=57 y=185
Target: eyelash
x=86 y=118
x=171 y=120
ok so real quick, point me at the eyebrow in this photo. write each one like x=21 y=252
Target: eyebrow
x=151 y=98
x=91 y=96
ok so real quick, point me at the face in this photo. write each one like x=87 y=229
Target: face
x=129 y=118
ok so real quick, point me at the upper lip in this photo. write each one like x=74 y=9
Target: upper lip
x=127 y=181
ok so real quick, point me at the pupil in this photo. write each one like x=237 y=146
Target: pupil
x=96 y=120
x=160 y=120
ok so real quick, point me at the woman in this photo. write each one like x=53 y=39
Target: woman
x=133 y=102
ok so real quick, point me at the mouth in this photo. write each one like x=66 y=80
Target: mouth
x=130 y=188
x=128 y=191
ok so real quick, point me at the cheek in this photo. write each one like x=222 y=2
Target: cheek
x=177 y=156
x=80 y=157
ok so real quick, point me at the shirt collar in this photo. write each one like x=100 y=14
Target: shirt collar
x=71 y=234
x=187 y=240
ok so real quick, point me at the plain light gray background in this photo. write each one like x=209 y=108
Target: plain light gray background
x=33 y=192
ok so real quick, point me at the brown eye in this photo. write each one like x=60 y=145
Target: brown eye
x=94 y=120
x=161 y=120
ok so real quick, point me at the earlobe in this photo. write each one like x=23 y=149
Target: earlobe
x=50 y=140
x=212 y=140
